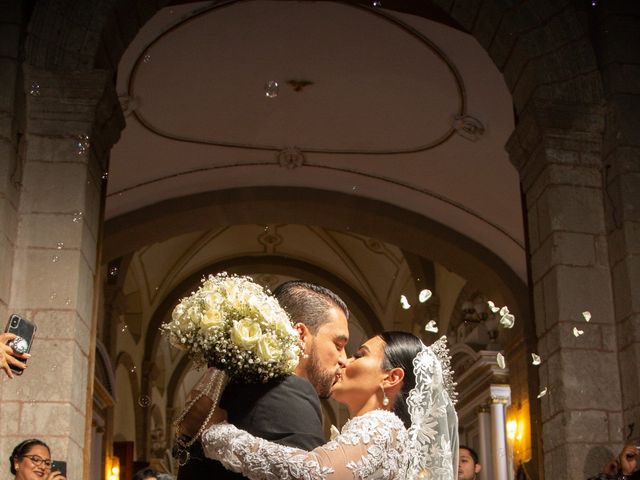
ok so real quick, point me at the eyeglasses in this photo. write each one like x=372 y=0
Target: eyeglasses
x=38 y=460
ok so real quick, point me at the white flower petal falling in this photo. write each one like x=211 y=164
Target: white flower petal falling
x=536 y=360
x=586 y=315
x=576 y=332
x=492 y=306
x=508 y=320
x=501 y=362
x=504 y=311
x=543 y=392
x=431 y=327
x=424 y=295
x=404 y=302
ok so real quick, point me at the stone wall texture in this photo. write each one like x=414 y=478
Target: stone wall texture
x=575 y=82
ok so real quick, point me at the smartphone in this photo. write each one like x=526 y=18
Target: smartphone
x=60 y=466
x=23 y=328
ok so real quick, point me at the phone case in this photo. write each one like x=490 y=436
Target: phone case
x=60 y=466
x=23 y=328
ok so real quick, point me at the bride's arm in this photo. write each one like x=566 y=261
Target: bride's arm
x=368 y=444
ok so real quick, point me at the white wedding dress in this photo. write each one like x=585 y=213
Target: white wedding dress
x=372 y=446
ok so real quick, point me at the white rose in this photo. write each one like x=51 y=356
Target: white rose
x=178 y=312
x=245 y=333
x=283 y=324
x=268 y=349
x=293 y=357
x=193 y=315
x=211 y=318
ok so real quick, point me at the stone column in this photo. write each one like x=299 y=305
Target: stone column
x=55 y=262
x=484 y=429
x=557 y=148
x=10 y=172
x=616 y=30
x=500 y=399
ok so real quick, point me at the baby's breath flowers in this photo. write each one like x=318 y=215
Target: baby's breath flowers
x=237 y=326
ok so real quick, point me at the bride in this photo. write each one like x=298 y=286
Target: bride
x=400 y=396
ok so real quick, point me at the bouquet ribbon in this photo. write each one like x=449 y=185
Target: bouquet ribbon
x=211 y=386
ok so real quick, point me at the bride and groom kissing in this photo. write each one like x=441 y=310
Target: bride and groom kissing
x=397 y=390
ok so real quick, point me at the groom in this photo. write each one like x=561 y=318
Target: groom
x=288 y=411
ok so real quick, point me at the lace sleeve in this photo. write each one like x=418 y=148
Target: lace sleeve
x=370 y=444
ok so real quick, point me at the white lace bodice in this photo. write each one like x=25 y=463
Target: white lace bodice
x=371 y=446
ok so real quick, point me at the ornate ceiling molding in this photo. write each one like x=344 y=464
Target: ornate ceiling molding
x=134 y=101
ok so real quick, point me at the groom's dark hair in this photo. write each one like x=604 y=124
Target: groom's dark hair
x=307 y=303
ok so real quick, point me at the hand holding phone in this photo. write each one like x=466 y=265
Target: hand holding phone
x=10 y=361
x=15 y=344
x=59 y=466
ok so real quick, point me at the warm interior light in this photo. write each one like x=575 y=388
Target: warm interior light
x=115 y=470
x=512 y=428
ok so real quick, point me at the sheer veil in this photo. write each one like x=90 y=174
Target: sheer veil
x=433 y=435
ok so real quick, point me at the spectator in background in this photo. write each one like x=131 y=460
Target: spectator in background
x=468 y=463
x=31 y=459
x=8 y=356
x=624 y=467
x=146 y=474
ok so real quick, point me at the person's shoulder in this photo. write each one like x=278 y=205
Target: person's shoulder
x=375 y=420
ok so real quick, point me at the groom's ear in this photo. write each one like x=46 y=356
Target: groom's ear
x=302 y=329
x=394 y=377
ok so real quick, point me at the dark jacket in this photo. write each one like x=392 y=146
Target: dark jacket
x=286 y=412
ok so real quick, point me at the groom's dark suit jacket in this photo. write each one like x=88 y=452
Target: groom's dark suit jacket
x=286 y=412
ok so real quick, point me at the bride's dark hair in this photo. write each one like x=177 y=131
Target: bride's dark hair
x=399 y=351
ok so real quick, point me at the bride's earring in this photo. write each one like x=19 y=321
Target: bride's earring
x=385 y=399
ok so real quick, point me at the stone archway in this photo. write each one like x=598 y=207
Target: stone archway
x=549 y=63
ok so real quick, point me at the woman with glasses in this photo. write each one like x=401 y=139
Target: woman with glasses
x=31 y=460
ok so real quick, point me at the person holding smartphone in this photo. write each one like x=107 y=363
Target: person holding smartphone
x=31 y=460
x=9 y=358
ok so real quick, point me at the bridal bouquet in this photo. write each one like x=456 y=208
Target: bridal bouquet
x=237 y=326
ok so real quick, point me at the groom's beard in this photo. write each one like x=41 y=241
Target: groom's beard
x=322 y=380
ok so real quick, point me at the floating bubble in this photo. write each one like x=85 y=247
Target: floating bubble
x=124 y=328
x=354 y=188
x=431 y=327
x=535 y=359
x=424 y=295
x=146 y=58
x=501 y=362
x=133 y=369
x=404 y=302
x=586 y=315
x=67 y=301
x=576 y=332
x=60 y=245
x=77 y=216
x=113 y=271
x=271 y=89
x=508 y=320
x=53 y=296
x=377 y=3
x=144 y=401
x=104 y=176
x=55 y=258
x=83 y=144
x=34 y=89
x=492 y=306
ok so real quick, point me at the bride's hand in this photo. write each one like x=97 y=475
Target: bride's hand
x=197 y=415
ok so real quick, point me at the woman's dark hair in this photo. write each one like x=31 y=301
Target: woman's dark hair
x=22 y=449
x=399 y=351
x=145 y=473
